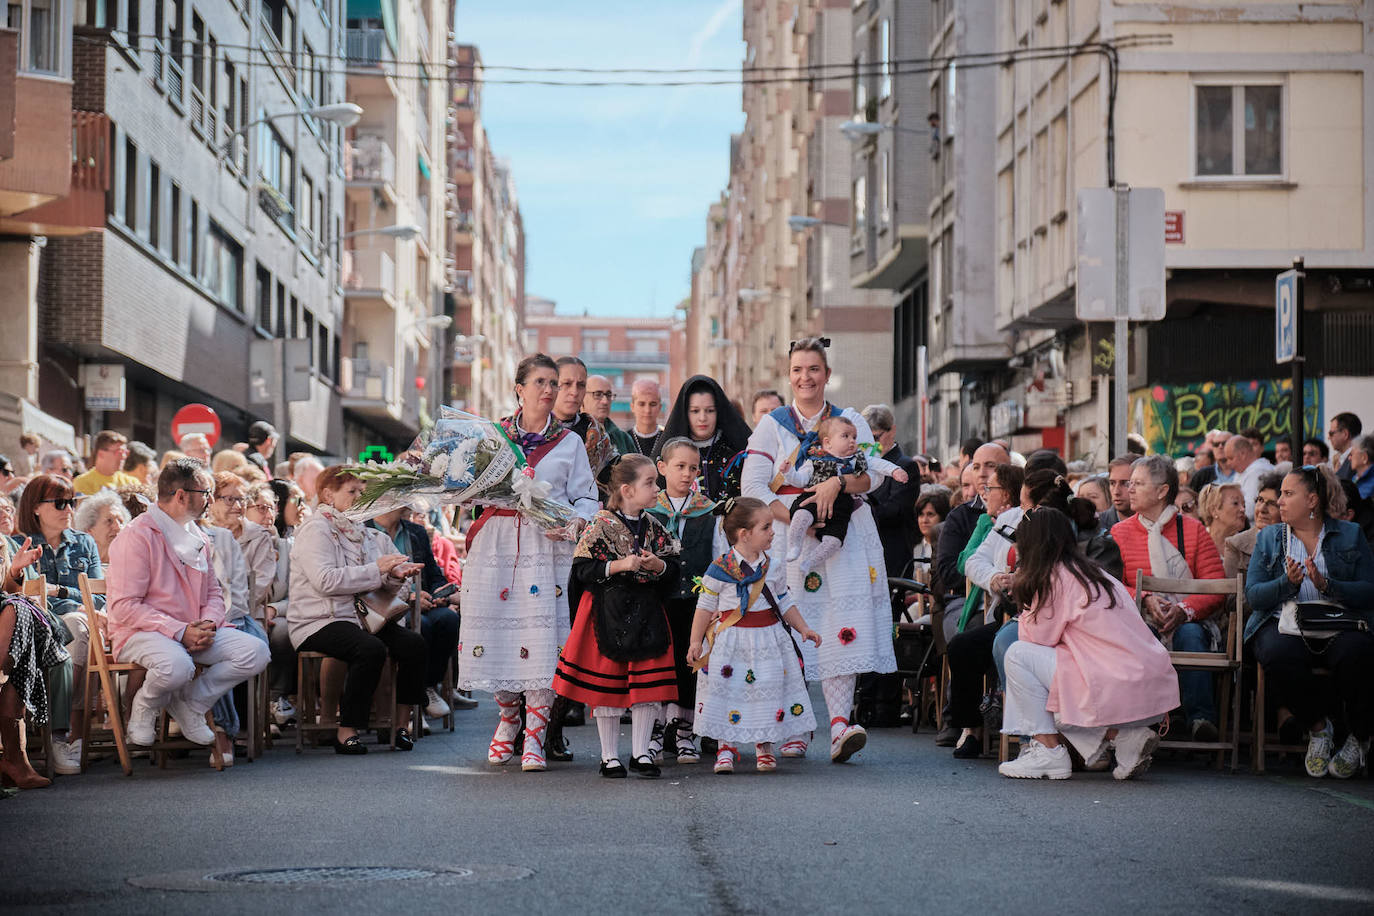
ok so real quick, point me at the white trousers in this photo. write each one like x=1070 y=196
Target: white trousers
x=232 y=658
x=1030 y=672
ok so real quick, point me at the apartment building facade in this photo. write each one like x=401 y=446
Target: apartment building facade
x=220 y=235
x=393 y=265
x=1256 y=123
x=486 y=245
x=624 y=350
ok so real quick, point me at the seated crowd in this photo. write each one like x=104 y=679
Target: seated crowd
x=222 y=566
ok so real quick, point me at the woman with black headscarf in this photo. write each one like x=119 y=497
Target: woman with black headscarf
x=703 y=414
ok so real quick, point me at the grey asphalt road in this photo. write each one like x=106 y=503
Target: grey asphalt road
x=904 y=828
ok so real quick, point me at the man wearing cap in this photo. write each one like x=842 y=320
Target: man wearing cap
x=262 y=442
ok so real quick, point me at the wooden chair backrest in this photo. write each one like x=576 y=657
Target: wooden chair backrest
x=1234 y=586
x=36 y=590
x=97 y=636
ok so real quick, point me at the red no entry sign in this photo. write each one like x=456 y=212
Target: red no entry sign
x=196 y=418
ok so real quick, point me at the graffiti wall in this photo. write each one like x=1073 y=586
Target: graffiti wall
x=1175 y=418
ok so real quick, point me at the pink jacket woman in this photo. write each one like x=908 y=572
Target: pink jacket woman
x=1110 y=668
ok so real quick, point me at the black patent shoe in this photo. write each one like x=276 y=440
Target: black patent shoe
x=557 y=749
x=644 y=767
x=613 y=769
x=403 y=740
x=352 y=747
x=969 y=748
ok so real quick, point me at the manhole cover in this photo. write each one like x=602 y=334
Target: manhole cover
x=331 y=874
x=327 y=876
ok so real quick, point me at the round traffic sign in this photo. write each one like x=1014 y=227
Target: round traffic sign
x=196 y=418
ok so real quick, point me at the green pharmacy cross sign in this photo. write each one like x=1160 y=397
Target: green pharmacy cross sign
x=375 y=453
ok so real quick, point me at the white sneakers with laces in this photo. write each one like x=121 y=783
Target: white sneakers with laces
x=1319 y=747
x=1038 y=762
x=66 y=757
x=1349 y=760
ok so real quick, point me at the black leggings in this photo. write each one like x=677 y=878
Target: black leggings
x=1288 y=665
x=970 y=657
x=365 y=654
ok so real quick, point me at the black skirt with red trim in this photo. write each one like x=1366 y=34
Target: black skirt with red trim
x=584 y=675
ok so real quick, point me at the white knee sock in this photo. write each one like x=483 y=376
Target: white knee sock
x=641 y=727
x=798 y=532
x=608 y=730
x=839 y=699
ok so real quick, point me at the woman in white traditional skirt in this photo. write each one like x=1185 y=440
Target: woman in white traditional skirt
x=846 y=599
x=515 y=606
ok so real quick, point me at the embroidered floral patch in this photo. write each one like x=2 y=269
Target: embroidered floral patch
x=524 y=653
x=477 y=651
x=701 y=707
x=734 y=717
x=505 y=594
x=872 y=574
x=534 y=589
x=812 y=582
x=726 y=671
x=749 y=676
x=798 y=709
x=780 y=714
x=847 y=635
x=460 y=648
x=558 y=591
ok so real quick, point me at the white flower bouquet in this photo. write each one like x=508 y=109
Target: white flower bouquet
x=461 y=459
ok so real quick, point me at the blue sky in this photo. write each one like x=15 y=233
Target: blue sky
x=614 y=182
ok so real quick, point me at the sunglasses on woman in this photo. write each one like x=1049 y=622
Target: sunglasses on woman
x=61 y=504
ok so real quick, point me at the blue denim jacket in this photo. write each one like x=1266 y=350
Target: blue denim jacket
x=1349 y=567
x=76 y=554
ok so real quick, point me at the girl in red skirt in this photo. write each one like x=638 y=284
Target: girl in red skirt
x=620 y=653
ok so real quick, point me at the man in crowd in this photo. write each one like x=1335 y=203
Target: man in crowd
x=262 y=442
x=1315 y=451
x=111 y=449
x=141 y=463
x=954 y=537
x=1220 y=471
x=1283 y=452
x=1249 y=465
x=1345 y=428
x=166 y=610
x=57 y=461
x=305 y=472
x=968 y=483
x=646 y=400
x=1119 y=482
x=597 y=403
x=766 y=400
x=967 y=449
x=195 y=445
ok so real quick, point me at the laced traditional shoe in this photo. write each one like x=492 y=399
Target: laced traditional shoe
x=793 y=748
x=1348 y=761
x=655 y=741
x=764 y=761
x=686 y=745
x=536 y=721
x=1039 y=762
x=644 y=767
x=502 y=747
x=435 y=707
x=725 y=759
x=1319 y=747
x=613 y=769
x=1133 y=747
x=848 y=743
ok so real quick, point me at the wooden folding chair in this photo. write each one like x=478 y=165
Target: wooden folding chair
x=100 y=684
x=36 y=590
x=1226 y=663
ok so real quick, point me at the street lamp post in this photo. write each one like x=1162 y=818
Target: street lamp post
x=858 y=130
x=344 y=114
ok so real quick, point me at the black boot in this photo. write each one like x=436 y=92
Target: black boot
x=556 y=749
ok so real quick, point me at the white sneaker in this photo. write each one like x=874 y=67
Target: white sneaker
x=66 y=757
x=1039 y=762
x=142 y=726
x=193 y=727
x=1319 y=747
x=435 y=707
x=1133 y=747
x=1347 y=762
x=282 y=710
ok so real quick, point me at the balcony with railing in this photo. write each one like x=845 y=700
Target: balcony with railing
x=367 y=383
x=368 y=274
x=370 y=163
x=368 y=49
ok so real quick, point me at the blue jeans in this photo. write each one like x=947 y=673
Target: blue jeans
x=1000 y=644
x=226 y=715
x=1195 y=687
